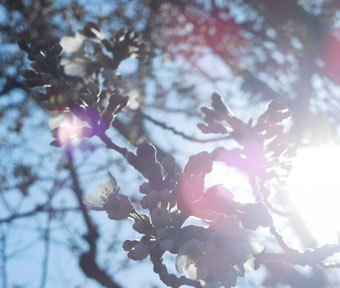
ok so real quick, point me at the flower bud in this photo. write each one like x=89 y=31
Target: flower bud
x=150 y=200
x=141 y=251
x=57 y=50
x=167 y=244
x=145 y=188
x=90 y=30
x=23 y=45
x=161 y=233
x=165 y=196
x=41 y=43
x=27 y=73
x=169 y=163
x=129 y=244
x=142 y=226
x=118 y=206
x=255 y=215
x=229 y=227
x=160 y=217
x=93 y=88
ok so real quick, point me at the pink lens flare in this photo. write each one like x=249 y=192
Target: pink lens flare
x=69 y=130
x=205 y=29
x=329 y=52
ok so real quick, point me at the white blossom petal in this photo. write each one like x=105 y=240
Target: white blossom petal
x=72 y=44
x=182 y=263
x=107 y=187
x=93 y=202
x=134 y=99
x=58 y=119
x=187 y=254
x=74 y=66
x=192 y=271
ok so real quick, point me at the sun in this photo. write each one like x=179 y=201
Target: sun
x=314 y=189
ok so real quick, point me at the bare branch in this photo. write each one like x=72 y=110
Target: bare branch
x=36 y=210
x=87 y=261
x=179 y=133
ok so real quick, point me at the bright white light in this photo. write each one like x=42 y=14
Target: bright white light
x=314 y=188
x=69 y=129
x=233 y=179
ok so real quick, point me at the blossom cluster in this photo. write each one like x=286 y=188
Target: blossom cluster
x=215 y=254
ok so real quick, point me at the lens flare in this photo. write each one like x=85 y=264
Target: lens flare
x=233 y=179
x=329 y=53
x=314 y=189
x=68 y=131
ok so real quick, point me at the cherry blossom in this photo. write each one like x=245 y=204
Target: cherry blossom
x=109 y=199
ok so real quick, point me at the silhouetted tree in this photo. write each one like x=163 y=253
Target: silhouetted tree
x=115 y=81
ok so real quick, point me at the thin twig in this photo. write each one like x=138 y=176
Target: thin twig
x=280 y=240
x=36 y=210
x=179 y=133
x=46 y=251
x=3 y=258
x=109 y=144
x=274 y=209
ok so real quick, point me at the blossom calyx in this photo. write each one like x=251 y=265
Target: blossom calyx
x=160 y=217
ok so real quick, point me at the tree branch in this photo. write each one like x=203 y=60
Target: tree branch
x=179 y=133
x=87 y=260
x=36 y=210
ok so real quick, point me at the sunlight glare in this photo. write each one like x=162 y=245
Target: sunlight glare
x=233 y=179
x=314 y=189
x=69 y=130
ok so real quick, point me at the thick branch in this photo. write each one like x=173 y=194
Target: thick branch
x=87 y=260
